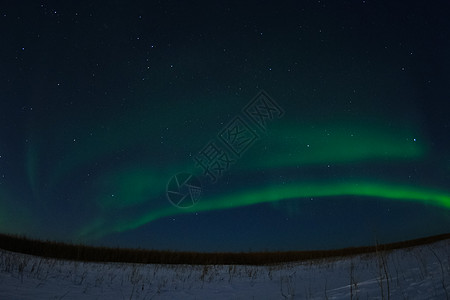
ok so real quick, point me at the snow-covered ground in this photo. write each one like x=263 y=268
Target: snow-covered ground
x=415 y=273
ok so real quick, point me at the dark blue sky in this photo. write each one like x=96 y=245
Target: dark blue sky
x=275 y=126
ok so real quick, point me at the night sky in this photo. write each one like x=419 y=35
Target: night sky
x=225 y=126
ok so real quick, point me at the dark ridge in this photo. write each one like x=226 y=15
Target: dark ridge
x=85 y=253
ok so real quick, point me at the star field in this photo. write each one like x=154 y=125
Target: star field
x=102 y=104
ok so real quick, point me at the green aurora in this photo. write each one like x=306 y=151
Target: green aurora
x=278 y=193
x=301 y=145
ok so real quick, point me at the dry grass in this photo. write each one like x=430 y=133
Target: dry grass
x=85 y=253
